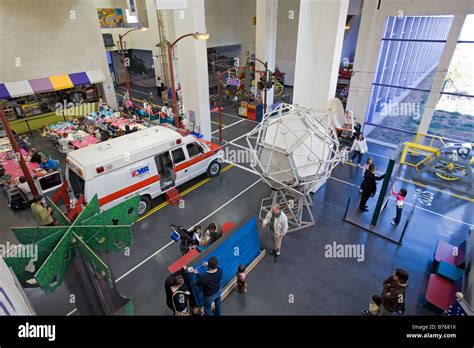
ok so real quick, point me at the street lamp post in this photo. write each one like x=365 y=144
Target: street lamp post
x=265 y=64
x=196 y=36
x=122 y=53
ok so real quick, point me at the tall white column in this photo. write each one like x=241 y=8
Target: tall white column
x=318 y=52
x=265 y=39
x=441 y=71
x=192 y=63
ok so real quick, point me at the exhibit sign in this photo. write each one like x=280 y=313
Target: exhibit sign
x=231 y=81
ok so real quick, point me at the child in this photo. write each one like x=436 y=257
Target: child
x=46 y=131
x=241 y=280
x=24 y=144
x=374 y=306
x=197 y=235
x=400 y=198
x=359 y=147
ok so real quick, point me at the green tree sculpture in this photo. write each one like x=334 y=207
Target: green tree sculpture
x=57 y=245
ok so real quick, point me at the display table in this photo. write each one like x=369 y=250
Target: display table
x=61 y=127
x=28 y=124
x=81 y=139
x=12 y=167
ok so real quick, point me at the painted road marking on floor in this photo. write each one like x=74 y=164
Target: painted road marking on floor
x=217 y=123
x=417 y=207
x=240 y=117
x=189 y=228
x=184 y=193
x=134 y=90
x=172 y=242
x=228 y=126
x=422 y=185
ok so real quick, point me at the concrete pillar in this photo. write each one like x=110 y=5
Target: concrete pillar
x=318 y=53
x=265 y=39
x=247 y=29
x=192 y=63
x=441 y=71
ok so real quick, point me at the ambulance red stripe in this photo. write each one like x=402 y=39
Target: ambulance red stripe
x=127 y=190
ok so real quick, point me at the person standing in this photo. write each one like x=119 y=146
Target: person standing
x=180 y=297
x=359 y=147
x=277 y=222
x=211 y=286
x=400 y=196
x=241 y=279
x=370 y=160
x=393 y=293
x=160 y=86
x=42 y=214
x=25 y=188
x=369 y=186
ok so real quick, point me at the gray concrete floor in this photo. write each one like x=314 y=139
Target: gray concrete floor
x=304 y=281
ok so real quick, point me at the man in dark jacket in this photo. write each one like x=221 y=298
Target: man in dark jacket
x=393 y=293
x=211 y=286
x=369 y=186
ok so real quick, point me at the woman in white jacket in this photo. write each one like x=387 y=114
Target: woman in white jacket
x=359 y=147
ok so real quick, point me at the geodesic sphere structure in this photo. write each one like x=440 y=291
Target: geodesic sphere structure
x=294 y=148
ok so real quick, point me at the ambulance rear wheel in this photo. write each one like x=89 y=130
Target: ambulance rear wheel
x=213 y=169
x=144 y=205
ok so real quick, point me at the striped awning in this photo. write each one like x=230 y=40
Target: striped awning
x=79 y=79
x=19 y=88
x=61 y=82
x=47 y=84
x=41 y=85
x=4 y=92
x=95 y=76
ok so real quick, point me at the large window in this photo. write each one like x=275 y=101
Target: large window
x=409 y=54
x=454 y=114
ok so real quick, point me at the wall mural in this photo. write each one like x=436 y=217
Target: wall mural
x=110 y=17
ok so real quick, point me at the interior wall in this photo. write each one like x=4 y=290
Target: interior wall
x=370 y=34
x=247 y=28
x=287 y=34
x=51 y=37
x=223 y=22
x=350 y=40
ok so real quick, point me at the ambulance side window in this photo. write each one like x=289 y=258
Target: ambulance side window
x=193 y=149
x=178 y=155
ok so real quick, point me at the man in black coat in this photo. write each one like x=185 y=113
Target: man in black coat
x=369 y=186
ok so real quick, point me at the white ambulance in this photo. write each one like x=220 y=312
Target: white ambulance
x=145 y=163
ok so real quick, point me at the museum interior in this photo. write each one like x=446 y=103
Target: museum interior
x=237 y=157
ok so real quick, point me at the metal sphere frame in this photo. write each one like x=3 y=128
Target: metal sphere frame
x=294 y=150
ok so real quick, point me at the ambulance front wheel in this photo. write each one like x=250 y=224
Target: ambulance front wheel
x=144 y=205
x=213 y=169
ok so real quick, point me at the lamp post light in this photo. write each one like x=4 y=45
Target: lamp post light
x=122 y=53
x=196 y=36
x=265 y=65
